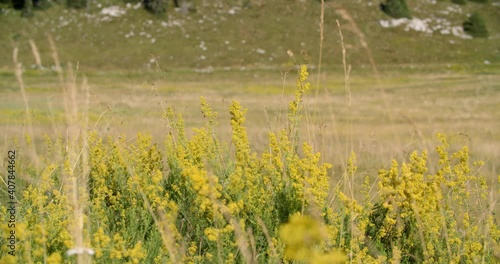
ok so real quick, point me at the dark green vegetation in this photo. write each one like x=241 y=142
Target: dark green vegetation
x=463 y=2
x=476 y=27
x=396 y=8
x=481 y=1
x=157 y=7
x=77 y=4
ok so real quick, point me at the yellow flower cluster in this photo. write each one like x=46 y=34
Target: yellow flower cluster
x=302 y=237
x=302 y=88
x=415 y=205
x=47 y=218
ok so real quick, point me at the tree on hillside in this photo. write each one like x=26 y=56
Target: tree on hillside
x=158 y=7
x=41 y=4
x=26 y=7
x=475 y=26
x=396 y=8
x=27 y=10
x=4 y=4
x=77 y=4
x=17 y=4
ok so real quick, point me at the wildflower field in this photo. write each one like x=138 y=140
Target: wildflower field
x=86 y=194
x=193 y=138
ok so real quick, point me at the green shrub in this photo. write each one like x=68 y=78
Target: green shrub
x=4 y=4
x=78 y=4
x=396 y=9
x=475 y=26
x=459 y=2
x=41 y=4
x=27 y=9
x=17 y=4
x=157 y=7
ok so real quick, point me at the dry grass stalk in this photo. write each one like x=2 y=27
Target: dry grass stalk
x=241 y=235
x=76 y=178
x=36 y=54
x=55 y=58
x=362 y=39
x=420 y=232
x=164 y=227
x=272 y=247
x=321 y=39
x=18 y=71
x=348 y=181
x=347 y=70
x=355 y=29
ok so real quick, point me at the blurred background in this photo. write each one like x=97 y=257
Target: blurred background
x=386 y=76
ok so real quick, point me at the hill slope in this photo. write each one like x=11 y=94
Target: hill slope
x=124 y=36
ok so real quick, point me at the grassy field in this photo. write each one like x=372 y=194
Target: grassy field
x=387 y=117
x=377 y=119
x=198 y=139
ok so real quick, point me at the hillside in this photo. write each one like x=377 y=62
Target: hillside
x=115 y=35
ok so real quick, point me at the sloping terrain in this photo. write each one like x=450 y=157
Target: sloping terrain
x=115 y=35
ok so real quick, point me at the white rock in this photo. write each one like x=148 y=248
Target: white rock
x=113 y=11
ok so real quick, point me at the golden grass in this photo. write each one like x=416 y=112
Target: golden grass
x=422 y=105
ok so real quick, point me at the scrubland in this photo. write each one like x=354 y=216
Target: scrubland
x=190 y=160
x=296 y=173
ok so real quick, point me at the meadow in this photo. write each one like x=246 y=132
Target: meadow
x=143 y=170
x=189 y=160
